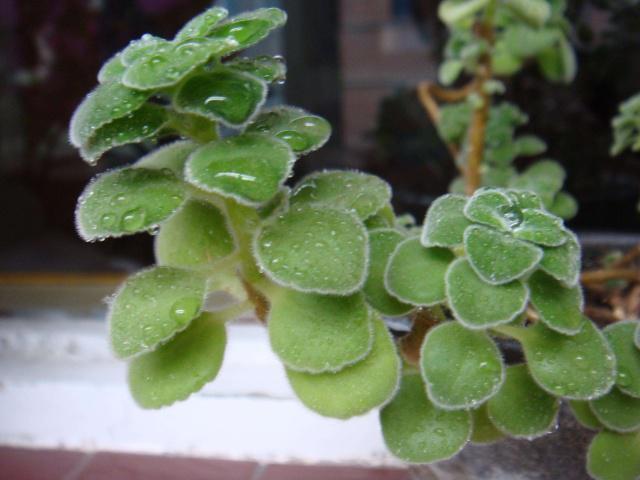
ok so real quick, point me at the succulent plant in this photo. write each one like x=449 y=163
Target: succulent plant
x=324 y=262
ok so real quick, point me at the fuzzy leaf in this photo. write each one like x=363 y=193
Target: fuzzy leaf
x=621 y=338
x=564 y=206
x=450 y=351
x=249 y=28
x=382 y=243
x=314 y=249
x=445 y=222
x=559 y=307
x=181 y=366
x=454 y=11
x=541 y=228
x=559 y=63
x=142 y=46
x=578 y=367
x=449 y=71
x=152 y=306
x=355 y=389
x=484 y=431
x=303 y=131
x=477 y=304
x=584 y=415
x=112 y=70
x=498 y=258
x=530 y=145
x=617 y=411
x=563 y=262
x=223 y=94
x=108 y=102
x=203 y=24
x=523 y=41
x=523 y=199
x=126 y=201
x=248 y=168
x=319 y=333
x=521 y=408
x=172 y=156
x=544 y=178
x=269 y=69
x=415 y=274
x=493 y=208
x=357 y=192
x=614 y=456
x=195 y=237
x=417 y=431
x=535 y=12
x=143 y=124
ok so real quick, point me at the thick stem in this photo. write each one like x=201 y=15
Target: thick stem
x=605 y=275
x=424 y=319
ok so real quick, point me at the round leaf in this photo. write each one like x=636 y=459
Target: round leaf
x=535 y=12
x=452 y=11
x=181 y=366
x=521 y=408
x=541 y=228
x=203 y=24
x=269 y=69
x=583 y=413
x=126 y=201
x=382 y=243
x=195 y=237
x=172 y=156
x=416 y=431
x=614 y=456
x=560 y=308
x=544 y=178
x=355 y=389
x=621 y=338
x=492 y=207
x=249 y=28
x=415 y=274
x=445 y=222
x=248 y=168
x=617 y=411
x=314 y=249
x=563 y=262
x=497 y=257
x=484 y=431
x=477 y=304
x=357 y=192
x=564 y=206
x=461 y=368
x=223 y=95
x=112 y=70
x=319 y=333
x=152 y=306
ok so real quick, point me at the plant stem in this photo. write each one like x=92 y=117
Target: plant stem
x=424 y=319
x=605 y=275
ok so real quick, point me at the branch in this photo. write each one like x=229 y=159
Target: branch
x=604 y=275
x=424 y=319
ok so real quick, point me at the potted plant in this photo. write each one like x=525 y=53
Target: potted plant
x=324 y=262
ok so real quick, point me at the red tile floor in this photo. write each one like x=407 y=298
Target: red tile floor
x=25 y=464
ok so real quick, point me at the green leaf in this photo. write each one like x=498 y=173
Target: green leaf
x=143 y=124
x=524 y=42
x=248 y=168
x=416 y=431
x=196 y=127
x=578 y=367
x=477 y=304
x=108 y=102
x=582 y=412
x=196 y=237
x=168 y=64
x=617 y=411
x=357 y=192
x=621 y=338
x=355 y=389
x=449 y=71
x=143 y=46
x=503 y=63
x=126 y=201
x=172 y=156
x=303 y=131
x=314 y=249
x=382 y=243
x=497 y=257
x=523 y=199
x=614 y=456
x=152 y=306
x=450 y=351
x=454 y=11
x=559 y=63
x=319 y=333
x=564 y=206
x=249 y=28
x=112 y=70
x=559 y=307
x=535 y=12
x=269 y=69
x=415 y=274
x=638 y=336
x=530 y=145
x=521 y=408
x=563 y=262
x=544 y=178
x=181 y=366
x=484 y=431
x=494 y=208
x=223 y=95
x=203 y=24
x=540 y=227
x=445 y=222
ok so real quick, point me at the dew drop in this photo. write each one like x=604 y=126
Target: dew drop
x=297 y=141
x=184 y=309
x=108 y=221
x=133 y=220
